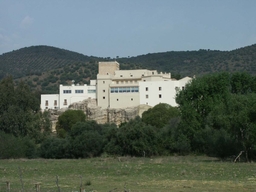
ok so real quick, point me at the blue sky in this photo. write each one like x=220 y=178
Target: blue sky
x=110 y=28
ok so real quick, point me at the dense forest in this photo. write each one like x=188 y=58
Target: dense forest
x=43 y=68
x=216 y=119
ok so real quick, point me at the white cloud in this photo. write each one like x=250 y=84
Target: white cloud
x=26 y=22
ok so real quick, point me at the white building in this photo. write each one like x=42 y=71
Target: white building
x=125 y=88
x=117 y=88
x=153 y=92
x=68 y=95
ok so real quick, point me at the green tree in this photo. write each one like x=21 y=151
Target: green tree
x=160 y=115
x=88 y=138
x=237 y=117
x=241 y=83
x=16 y=147
x=19 y=108
x=55 y=148
x=134 y=138
x=218 y=114
x=6 y=94
x=67 y=119
x=197 y=101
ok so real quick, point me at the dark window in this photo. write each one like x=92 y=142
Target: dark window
x=79 y=91
x=66 y=91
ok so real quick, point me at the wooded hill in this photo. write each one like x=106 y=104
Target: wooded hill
x=45 y=67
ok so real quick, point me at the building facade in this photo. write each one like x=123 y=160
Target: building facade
x=115 y=88
x=126 y=88
x=68 y=95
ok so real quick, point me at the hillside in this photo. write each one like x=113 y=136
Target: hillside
x=189 y=63
x=45 y=67
x=38 y=59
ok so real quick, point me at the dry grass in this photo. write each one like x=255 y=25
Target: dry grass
x=162 y=174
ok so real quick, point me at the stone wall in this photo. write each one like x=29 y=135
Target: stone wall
x=101 y=116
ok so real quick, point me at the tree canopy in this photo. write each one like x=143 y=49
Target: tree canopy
x=160 y=115
x=67 y=119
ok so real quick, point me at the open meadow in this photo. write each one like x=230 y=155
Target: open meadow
x=161 y=174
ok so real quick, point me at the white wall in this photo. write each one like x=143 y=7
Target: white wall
x=155 y=92
x=50 y=98
x=68 y=94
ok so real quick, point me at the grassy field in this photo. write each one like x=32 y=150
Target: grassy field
x=161 y=174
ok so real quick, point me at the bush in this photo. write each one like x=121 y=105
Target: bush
x=16 y=147
x=134 y=138
x=67 y=119
x=87 y=139
x=55 y=148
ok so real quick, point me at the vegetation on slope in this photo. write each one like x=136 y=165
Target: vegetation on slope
x=44 y=68
x=189 y=63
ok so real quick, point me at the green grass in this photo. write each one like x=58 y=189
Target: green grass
x=161 y=174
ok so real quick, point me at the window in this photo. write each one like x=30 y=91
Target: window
x=91 y=91
x=146 y=96
x=65 y=102
x=66 y=91
x=160 y=96
x=55 y=102
x=131 y=99
x=46 y=103
x=117 y=99
x=103 y=90
x=103 y=97
x=124 y=89
x=121 y=75
x=79 y=91
x=183 y=87
x=103 y=82
x=146 y=88
x=131 y=75
x=134 y=89
x=160 y=88
x=152 y=73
